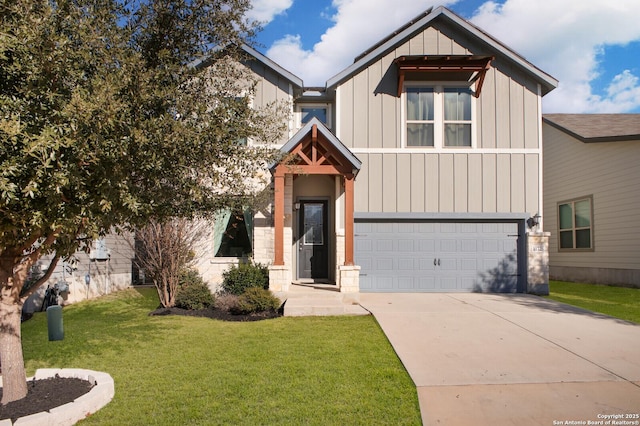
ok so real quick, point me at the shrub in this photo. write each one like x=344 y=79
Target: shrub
x=244 y=276
x=190 y=276
x=193 y=293
x=255 y=300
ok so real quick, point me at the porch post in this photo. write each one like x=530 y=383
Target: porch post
x=278 y=220
x=348 y=220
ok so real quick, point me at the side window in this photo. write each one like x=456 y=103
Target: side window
x=575 y=224
x=233 y=233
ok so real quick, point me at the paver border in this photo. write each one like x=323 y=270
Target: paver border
x=69 y=414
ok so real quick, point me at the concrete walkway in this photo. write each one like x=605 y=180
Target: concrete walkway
x=487 y=359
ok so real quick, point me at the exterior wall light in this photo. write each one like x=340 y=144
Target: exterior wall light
x=533 y=221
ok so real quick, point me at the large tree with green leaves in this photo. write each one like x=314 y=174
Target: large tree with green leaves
x=106 y=123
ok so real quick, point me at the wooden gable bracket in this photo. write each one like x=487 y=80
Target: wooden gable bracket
x=470 y=68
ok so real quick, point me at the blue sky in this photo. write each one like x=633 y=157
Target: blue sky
x=591 y=46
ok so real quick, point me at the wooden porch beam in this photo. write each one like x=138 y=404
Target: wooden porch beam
x=348 y=219
x=278 y=220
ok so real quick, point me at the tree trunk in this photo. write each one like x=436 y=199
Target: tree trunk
x=14 y=379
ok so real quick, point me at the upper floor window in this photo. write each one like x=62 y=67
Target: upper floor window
x=575 y=223
x=438 y=117
x=321 y=111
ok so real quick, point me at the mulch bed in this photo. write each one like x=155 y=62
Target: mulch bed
x=43 y=395
x=219 y=314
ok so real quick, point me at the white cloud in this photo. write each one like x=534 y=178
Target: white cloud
x=566 y=38
x=358 y=24
x=265 y=10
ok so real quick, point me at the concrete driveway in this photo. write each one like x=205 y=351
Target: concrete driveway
x=489 y=359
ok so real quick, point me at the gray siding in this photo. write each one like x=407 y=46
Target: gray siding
x=507 y=110
x=501 y=174
x=271 y=87
x=445 y=182
x=609 y=172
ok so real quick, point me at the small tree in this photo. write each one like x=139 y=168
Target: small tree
x=164 y=250
x=104 y=124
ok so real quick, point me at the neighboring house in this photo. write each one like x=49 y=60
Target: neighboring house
x=592 y=196
x=108 y=267
x=418 y=168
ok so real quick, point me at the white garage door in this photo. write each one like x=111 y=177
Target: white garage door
x=430 y=256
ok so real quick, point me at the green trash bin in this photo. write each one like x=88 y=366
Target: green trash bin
x=54 y=322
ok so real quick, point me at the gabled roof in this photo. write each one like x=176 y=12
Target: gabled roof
x=297 y=81
x=335 y=143
x=494 y=47
x=597 y=127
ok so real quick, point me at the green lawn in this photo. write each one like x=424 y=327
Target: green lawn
x=619 y=302
x=197 y=371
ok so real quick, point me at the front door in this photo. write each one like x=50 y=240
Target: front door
x=313 y=244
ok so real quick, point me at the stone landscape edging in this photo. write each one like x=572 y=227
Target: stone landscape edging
x=69 y=414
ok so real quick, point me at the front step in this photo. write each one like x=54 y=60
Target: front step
x=304 y=301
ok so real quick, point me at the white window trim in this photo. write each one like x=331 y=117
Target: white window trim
x=298 y=112
x=438 y=116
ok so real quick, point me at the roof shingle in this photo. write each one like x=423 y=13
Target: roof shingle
x=597 y=127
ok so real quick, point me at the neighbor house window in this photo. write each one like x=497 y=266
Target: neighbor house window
x=438 y=116
x=233 y=233
x=575 y=224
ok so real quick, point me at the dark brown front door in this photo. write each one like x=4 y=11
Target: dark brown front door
x=313 y=244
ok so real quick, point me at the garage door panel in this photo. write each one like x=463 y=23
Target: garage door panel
x=448 y=264
x=406 y=246
x=405 y=283
x=405 y=228
x=425 y=227
x=384 y=283
x=490 y=228
x=449 y=283
x=469 y=264
x=448 y=228
x=426 y=246
x=426 y=256
x=406 y=264
x=448 y=246
x=469 y=246
x=426 y=264
x=384 y=264
x=384 y=245
x=426 y=283
x=468 y=228
x=490 y=246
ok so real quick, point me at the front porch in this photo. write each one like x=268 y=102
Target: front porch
x=313 y=209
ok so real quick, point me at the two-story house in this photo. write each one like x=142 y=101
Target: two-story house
x=591 y=179
x=418 y=168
